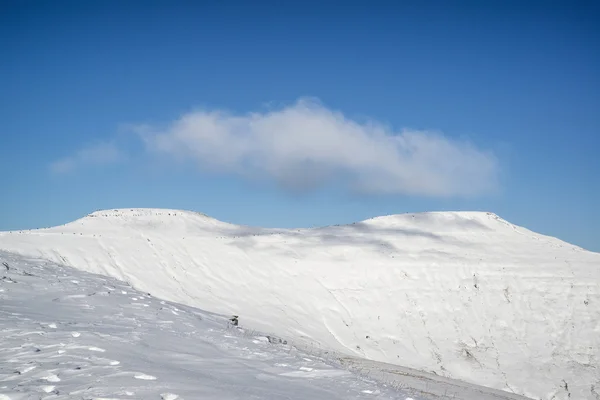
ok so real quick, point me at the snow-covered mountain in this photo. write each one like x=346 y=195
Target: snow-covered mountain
x=465 y=295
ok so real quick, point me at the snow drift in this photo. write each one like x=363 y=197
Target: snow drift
x=465 y=295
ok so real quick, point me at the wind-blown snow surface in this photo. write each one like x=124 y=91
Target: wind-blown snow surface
x=68 y=334
x=464 y=295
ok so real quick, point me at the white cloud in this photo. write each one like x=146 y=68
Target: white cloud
x=307 y=145
x=98 y=154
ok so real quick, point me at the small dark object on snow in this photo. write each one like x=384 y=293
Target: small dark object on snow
x=6 y=265
x=234 y=320
x=276 y=340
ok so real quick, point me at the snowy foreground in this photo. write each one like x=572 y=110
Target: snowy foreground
x=68 y=334
x=464 y=296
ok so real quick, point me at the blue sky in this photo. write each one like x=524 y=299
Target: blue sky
x=303 y=114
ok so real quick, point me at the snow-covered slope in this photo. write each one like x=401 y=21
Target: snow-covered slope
x=464 y=295
x=69 y=334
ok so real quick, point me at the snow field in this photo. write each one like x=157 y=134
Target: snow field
x=88 y=340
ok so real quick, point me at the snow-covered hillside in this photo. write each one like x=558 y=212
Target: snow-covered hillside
x=463 y=295
x=68 y=334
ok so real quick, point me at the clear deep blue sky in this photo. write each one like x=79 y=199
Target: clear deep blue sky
x=518 y=80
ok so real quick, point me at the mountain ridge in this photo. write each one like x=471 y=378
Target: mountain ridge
x=467 y=296
x=389 y=219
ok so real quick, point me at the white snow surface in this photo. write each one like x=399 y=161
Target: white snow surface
x=69 y=334
x=464 y=295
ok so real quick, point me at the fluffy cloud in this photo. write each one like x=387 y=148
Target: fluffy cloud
x=99 y=154
x=306 y=145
